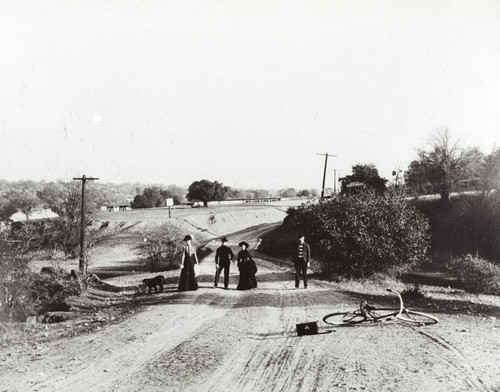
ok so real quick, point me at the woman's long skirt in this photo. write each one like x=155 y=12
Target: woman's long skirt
x=187 y=281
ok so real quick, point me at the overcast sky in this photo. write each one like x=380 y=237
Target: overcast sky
x=242 y=92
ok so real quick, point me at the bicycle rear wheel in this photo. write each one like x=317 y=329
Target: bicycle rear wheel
x=417 y=318
x=344 y=318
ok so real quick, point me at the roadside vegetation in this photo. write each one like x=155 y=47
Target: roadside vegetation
x=159 y=247
x=477 y=275
x=467 y=224
x=357 y=236
x=26 y=293
x=375 y=226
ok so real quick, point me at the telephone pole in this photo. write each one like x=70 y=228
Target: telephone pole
x=83 y=223
x=324 y=174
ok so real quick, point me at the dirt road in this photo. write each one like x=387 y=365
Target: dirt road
x=227 y=340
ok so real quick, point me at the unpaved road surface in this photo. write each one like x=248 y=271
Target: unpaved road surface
x=228 y=340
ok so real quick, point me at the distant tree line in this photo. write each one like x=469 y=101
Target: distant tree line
x=29 y=196
x=445 y=166
x=205 y=191
x=156 y=196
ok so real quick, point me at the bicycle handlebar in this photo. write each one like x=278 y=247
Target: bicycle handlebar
x=400 y=300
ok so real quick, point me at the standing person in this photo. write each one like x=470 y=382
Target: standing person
x=247 y=267
x=301 y=260
x=187 y=280
x=223 y=257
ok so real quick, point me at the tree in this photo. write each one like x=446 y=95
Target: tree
x=151 y=197
x=418 y=178
x=160 y=244
x=363 y=175
x=23 y=199
x=304 y=193
x=65 y=199
x=259 y=193
x=16 y=252
x=490 y=175
x=206 y=191
x=174 y=192
x=444 y=166
x=289 y=192
x=6 y=210
x=234 y=193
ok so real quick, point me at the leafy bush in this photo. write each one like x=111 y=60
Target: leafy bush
x=477 y=275
x=160 y=244
x=362 y=235
x=22 y=292
x=37 y=293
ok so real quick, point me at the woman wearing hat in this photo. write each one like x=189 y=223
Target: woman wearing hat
x=187 y=280
x=247 y=267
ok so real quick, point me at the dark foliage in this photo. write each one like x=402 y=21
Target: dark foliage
x=467 y=224
x=362 y=235
x=206 y=191
x=477 y=275
x=363 y=177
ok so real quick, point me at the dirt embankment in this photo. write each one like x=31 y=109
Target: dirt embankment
x=203 y=223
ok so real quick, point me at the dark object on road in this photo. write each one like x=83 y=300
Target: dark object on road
x=310 y=328
x=155 y=282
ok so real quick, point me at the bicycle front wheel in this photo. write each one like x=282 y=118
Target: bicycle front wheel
x=344 y=318
x=417 y=318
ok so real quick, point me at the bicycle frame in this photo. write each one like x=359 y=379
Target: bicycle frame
x=367 y=313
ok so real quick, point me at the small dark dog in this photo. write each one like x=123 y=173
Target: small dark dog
x=155 y=282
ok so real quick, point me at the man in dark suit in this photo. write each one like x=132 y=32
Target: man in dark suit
x=301 y=260
x=223 y=257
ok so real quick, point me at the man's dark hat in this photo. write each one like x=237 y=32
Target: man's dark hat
x=244 y=243
x=223 y=239
x=188 y=237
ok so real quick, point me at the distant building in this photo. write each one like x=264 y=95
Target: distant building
x=34 y=216
x=116 y=207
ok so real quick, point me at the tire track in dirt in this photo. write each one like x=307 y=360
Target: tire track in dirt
x=102 y=360
x=273 y=361
x=101 y=369
x=464 y=369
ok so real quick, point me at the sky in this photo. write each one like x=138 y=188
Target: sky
x=247 y=93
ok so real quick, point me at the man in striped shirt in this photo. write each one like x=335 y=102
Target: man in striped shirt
x=301 y=260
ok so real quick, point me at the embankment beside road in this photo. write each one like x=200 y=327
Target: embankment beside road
x=203 y=223
x=216 y=225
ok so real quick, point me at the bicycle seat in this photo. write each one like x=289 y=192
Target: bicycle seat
x=365 y=307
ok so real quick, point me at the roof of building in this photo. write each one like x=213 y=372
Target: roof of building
x=35 y=215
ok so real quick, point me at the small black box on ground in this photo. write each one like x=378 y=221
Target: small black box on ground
x=307 y=328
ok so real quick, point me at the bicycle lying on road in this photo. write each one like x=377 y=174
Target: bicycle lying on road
x=369 y=313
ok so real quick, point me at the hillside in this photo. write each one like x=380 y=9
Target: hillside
x=203 y=223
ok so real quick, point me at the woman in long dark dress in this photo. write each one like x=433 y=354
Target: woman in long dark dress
x=187 y=281
x=247 y=267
